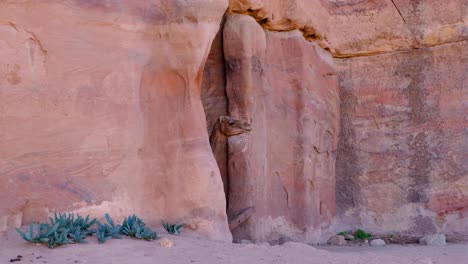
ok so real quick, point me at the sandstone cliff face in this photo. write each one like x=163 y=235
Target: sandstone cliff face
x=362 y=27
x=101 y=111
x=287 y=87
x=402 y=163
x=418 y=38
x=357 y=109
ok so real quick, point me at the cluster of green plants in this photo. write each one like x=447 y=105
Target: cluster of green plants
x=134 y=226
x=173 y=229
x=106 y=231
x=68 y=228
x=61 y=229
x=358 y=234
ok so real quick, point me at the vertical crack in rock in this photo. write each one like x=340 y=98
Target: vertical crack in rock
x=415 y=43
x=399 y=12
x=285 y=190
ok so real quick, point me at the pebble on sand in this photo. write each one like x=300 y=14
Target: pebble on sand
x=337 y=240
x=433 y=240
x=377 y=242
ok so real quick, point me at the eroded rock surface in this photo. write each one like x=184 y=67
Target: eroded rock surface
x=362 y=27
x=285 y=166
x=100 y=111
x=402 y=162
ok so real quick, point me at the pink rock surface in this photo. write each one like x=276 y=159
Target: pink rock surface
x=362 y=27
x=106 y=106
x=402 y=163
x=100 y=111
x=285 y=166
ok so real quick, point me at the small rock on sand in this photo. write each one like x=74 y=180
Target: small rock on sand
x=433 y=240
x=166 y=243
x=377 y=242
x=283 y=239
x=425 y=260
x=337 y=241
x=263 y=244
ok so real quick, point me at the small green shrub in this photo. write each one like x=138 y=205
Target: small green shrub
x=107 y=230
x=172 y=229
x=134 y=226
x=361 y=234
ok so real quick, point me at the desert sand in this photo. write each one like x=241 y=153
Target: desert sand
x=190 y=248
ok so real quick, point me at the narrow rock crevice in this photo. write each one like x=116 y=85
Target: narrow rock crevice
x=285 y=190
x=399 y=12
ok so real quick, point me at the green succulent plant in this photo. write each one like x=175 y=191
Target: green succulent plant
x=43 y=231
x=61 y=229
x=106 y=231
x=78 y=228
x=68 y=228
x=59 y=237
x=134 y=226
x=173 y=229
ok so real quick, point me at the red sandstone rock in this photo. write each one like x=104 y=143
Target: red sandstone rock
x=289 y=90
x=402 y=162
x=100 y=111
x=356 y=27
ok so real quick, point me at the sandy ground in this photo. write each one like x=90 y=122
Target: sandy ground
x=189 y=248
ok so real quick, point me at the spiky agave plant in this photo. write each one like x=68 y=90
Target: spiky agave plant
x=173 y=229
x=106 y=231
x=81 y=228
x=134 y=226
x=42 y=236
x=59 y=237
x=77 y=228
x=61 y=229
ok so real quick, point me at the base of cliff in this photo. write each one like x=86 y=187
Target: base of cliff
x=189 y=248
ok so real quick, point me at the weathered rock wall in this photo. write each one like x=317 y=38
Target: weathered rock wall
x=418 y=165
x=103 y=109
x=402 y=163
x=100 y=111
x=362 y=27
x=285 y=166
